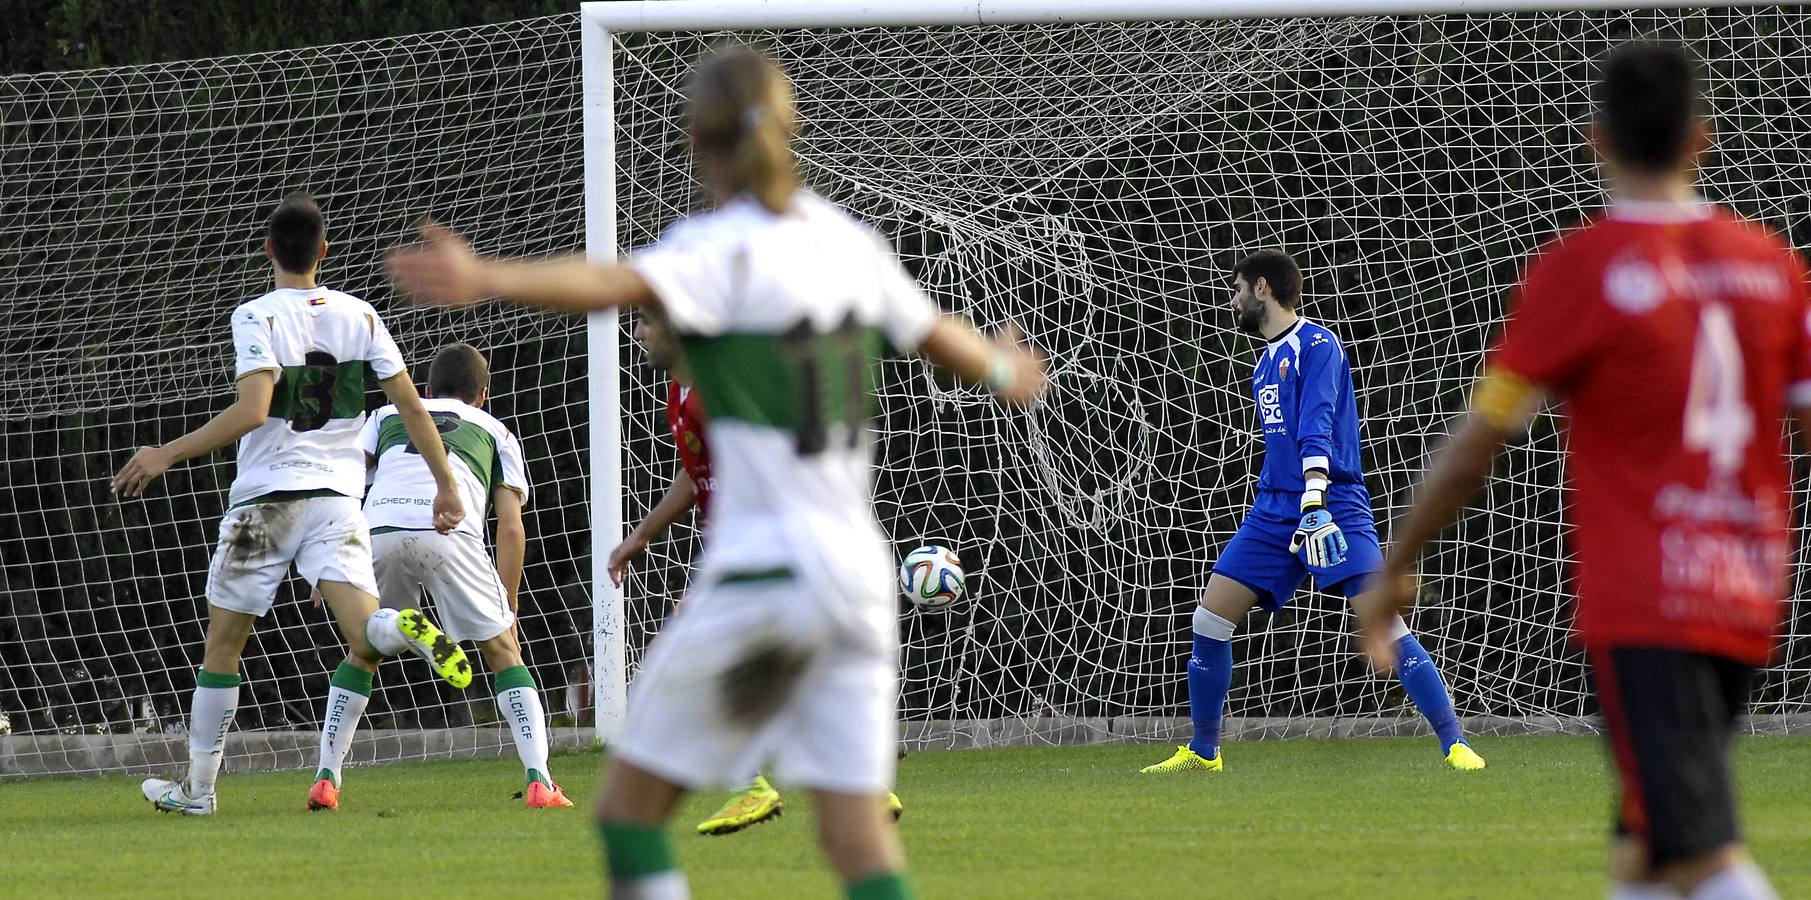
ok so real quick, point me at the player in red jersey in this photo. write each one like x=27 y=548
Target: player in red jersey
x=691 y=486
x=1676 y=334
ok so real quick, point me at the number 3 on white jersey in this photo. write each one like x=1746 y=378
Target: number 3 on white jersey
x=1717 y=418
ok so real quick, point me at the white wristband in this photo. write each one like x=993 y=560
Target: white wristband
x=1315 y=494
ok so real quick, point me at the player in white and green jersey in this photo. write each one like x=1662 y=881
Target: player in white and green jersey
x=475 y=598
x=786 y=650
x=304 y=355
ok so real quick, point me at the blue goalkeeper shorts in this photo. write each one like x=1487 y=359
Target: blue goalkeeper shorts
x=1258 y=555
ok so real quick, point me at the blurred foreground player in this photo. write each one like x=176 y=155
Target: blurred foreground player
x=757 y=801
x=788 y=648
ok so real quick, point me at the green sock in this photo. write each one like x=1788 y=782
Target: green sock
x=635 y=851
x=885 y=886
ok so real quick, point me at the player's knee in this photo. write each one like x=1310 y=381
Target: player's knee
x=1212 y=625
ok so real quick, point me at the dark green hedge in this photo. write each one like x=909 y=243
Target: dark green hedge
x=58 y=35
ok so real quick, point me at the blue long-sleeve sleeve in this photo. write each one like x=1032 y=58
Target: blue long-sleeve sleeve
x=1309 y=413
x=1326 y=380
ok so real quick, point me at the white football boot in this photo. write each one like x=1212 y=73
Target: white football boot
x=173 y=796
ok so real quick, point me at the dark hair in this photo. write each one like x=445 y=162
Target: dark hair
x=296 y=232
x=1647 y=96
x=1277 y=269
x=459 y=370
x=739 y=106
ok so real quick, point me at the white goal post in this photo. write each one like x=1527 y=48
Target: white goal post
x=1127 y=650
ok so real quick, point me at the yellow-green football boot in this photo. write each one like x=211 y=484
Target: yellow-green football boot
x=427 y=640
x=1464 y=758
x=755 y=804
x=1183 y=760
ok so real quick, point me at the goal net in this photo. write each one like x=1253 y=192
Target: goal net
x=1091 y=183
x=1094 y=184
x=134 y=204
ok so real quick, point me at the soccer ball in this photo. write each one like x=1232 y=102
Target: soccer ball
x=931 y=577
x=383 y=634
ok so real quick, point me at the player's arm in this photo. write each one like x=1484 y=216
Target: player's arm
x=512 y=541
x=444 y=271
x=680 y=496
x=236 y=421
x=1004 y=363
x=1501 y=407
x=449 y=510
x=1322 y=376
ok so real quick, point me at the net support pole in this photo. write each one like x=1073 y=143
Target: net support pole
x=609 y=667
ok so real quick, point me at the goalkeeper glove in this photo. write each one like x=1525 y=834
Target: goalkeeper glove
x=1318 y=538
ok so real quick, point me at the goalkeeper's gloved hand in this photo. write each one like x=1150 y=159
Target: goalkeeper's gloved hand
x=1318 y=538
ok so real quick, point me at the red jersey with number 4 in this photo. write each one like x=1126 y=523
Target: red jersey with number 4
x=685 y=418
x=1676 y=334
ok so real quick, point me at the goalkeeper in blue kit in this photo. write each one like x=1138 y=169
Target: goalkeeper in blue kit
x=1312 y=515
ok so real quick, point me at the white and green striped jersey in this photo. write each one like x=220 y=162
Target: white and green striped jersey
x=480 y=450
x=783 y=320
x=326 y=348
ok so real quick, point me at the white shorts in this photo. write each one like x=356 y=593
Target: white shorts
x=469 y=601
x=774 y=670
x=325 y=537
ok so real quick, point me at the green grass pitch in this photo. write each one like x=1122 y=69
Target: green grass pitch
x=1310 y=818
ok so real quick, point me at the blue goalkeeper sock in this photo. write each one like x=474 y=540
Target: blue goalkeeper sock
x=1209 y=681
x=1422 y=682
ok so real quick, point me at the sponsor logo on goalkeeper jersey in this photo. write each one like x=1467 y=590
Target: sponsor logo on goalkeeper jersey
x=1270 y=404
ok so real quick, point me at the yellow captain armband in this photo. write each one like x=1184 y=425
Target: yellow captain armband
x=1505 y=400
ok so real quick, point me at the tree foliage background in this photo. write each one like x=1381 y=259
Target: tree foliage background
x=59 y=35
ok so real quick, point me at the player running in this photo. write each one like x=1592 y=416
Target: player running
x=1676 y=334
x=786 y=651
x=475 y=598
x=1312 y=515
x=302 y=353
x=757 y=801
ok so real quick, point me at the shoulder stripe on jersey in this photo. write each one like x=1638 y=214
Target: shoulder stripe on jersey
x=470 y=441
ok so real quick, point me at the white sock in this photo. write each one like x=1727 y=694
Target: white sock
x=340 y=723
x=210 y=715
x=521 y=708
x=1643 y=890
x=664 y=886
x=1742 y=881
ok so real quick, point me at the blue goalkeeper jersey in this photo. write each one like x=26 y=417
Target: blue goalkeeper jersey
x=1303 y=385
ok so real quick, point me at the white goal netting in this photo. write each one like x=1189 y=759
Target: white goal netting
x=1091 y=183
x=134 y=203
x=1094 y=184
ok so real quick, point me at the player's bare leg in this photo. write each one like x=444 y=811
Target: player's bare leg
x=1223 y=605
x=632 y=811
x=519 y=700
x=859 y=840
x=211 y=711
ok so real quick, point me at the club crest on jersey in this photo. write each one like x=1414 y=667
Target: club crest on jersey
x=1282 y=369
x=692 y=442
x=1634 y=286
